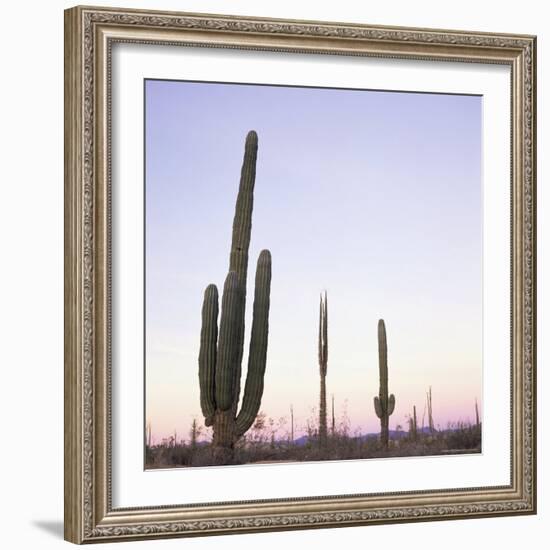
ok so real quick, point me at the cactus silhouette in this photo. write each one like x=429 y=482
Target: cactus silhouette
x=221 y=351
x=383 y=405
x=333 y=424
x=323 y=363
x=431 y=424
x=413 y=427
x=291 y=425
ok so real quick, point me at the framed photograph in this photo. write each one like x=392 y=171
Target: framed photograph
x=299 y=274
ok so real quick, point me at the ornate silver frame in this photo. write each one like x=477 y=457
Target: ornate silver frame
x=89 y=34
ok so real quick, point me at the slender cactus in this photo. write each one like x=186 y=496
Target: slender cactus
x=149 y=435
x=323 y=363
x=423 y=418
x=430 y=415
x=221 y=348
x=477 y=415
x=383 y=404
x=291 y=425
x=193 y=433
x=333 y=427
x=413 y=427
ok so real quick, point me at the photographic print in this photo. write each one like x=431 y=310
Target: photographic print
x=313 y=274
x=299 y=274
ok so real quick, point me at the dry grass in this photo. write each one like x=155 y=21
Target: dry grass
x=261 y=446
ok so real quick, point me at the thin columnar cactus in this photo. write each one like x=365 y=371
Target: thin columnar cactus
x=221 y=349
x=413 y=428
x=477 y=415
x=149 y=436
x=193 y=434
x=291 y=425
x=333 y=427
x=430 y=415
x=383 y=404
x=323 y=363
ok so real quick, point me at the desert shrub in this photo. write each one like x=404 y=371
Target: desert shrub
x=466 y=437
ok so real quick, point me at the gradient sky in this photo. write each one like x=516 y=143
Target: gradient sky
x=373 y=196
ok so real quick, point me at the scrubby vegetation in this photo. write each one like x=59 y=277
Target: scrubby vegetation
x=269 y=441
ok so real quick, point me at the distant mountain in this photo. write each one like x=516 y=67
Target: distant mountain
x=393 y=434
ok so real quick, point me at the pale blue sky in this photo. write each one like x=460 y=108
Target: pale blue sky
x=373 y=196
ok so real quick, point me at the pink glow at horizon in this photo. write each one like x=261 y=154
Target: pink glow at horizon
x=452 y=403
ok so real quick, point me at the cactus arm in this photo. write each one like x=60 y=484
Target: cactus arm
x=325 y=332
x=228 y=351
x=240 y=241
x=391 y=405
x=383 y=357
x=378 y=408
x=321 y=359
x=242 y=222
x=258 y=345
x=323 y=336
x=207 y=352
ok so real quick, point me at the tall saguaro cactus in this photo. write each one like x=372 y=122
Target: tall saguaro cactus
x=383 y=404
x=323 y=363
x=221 y=350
